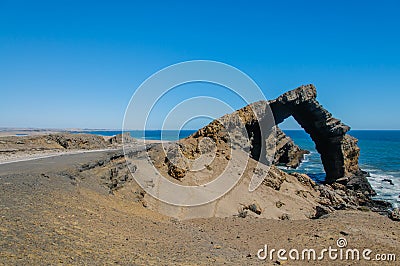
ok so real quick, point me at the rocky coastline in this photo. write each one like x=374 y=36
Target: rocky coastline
x=346 y=186
x=87 y=208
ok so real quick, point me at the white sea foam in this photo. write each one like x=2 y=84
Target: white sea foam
x=385 y=191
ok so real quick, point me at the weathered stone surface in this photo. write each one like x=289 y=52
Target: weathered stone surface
x=321 y=211
x=78 y=141
x=176 y=161
x=252 y=130
x=121 y=138
x=274 y=178
x=339 y=152
x=253 y=207
x=57 y=141
x=287 y=152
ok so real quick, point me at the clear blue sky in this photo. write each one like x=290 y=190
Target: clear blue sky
x=67 y=64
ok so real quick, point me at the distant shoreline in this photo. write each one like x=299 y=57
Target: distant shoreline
x=112 y=132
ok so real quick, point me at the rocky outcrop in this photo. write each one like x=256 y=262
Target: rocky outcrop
x=252 y=130
x=59 y=141
x=339 y=151
x=287 y=152
x=121 y=139
x=339 y=154
x=78 y=141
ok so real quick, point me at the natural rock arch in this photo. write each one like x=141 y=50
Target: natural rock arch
x=339 y=151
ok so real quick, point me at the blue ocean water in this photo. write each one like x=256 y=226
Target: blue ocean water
x=380 y=155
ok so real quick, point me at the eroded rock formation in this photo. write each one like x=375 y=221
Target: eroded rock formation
x=250 y=132
x=287 y=152
x=339 y=152
x=252 y=129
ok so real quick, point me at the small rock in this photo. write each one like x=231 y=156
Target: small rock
x=395 y=214
x=256 y=208
x=279 y=204
x=341 y=206
x=321 y=211
x=284 y=216
x=343 y=233
x=44 y=175
x=389 y=181
x=242 y=213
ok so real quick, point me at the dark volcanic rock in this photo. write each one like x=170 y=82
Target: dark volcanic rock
x=359 y=182
x=388 y=181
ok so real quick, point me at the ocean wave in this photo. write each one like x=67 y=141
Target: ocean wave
x=382 y=176
x=385 y=191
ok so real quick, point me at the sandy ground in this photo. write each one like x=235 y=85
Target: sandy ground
x=49 y=217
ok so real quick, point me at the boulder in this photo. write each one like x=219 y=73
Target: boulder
x=121 y=138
